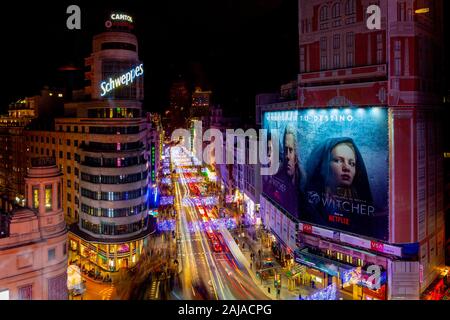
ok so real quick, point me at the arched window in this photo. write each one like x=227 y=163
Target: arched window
x=324 y=13
x=336 y=10
x=350 y=7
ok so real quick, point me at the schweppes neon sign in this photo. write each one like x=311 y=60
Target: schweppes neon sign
x=123 y=80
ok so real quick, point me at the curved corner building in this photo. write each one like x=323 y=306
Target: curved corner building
x=110 y=175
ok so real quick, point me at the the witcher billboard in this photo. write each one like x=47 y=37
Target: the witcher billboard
x=333 y=167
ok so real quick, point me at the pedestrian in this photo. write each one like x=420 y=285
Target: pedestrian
x=300 y=296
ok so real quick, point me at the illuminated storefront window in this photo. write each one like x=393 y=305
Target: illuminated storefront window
x=48 y=198
x=35 y=197
x=4 y=295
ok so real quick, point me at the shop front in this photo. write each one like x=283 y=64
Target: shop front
x=353 y=281
x=249 y=210
x=104 y=257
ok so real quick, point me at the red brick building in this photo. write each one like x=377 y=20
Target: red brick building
x=344 y=64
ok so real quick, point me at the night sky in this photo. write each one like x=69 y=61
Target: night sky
x=235 y=48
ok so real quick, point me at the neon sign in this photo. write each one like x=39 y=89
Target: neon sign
x=125 y=79
x=116 y=16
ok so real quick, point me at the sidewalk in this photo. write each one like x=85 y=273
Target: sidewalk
x=255 y=246
x=252 y=245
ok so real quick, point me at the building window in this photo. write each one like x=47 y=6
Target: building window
x=53 y=140
x=47 y=140
x=350 y=49
x=47 y=152
x=69 y=183
x=69 y=170
x=349 y=259
x=323 y=53
x=51 y=254
x=398 y=58
x=48 y=197
x=401 y=11
x=68 y=156
x=350 y=7
x=75 y=129
x=324 y=13
x=68 y=142
x=76 y=172
x=69 y=197
x=69 y=212
x=35 y=197
x=337 y=51
x=60 y=154
x=337 y=60
x=26 y=292
x=60 y=142
x=59 y=195
x=337 y=41
x=75 y=142
x=336 y=10
x=53 y=153
x=57 y=288
x=379 y=48
x=302 y=59
x=68 y=129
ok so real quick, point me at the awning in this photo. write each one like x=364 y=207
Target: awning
x=331 y=267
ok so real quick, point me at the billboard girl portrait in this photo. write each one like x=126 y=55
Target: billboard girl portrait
x=338 y=185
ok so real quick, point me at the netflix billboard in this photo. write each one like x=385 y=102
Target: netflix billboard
x=333 y=169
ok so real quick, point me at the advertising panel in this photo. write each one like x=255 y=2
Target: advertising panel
x=333 y=167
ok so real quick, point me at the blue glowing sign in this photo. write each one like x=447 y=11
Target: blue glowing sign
x=123 y=80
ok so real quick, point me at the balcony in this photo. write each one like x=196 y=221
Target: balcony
x=371 y=73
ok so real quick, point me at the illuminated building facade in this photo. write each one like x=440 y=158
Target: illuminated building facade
x=101 y=146
x=348 y=70
x=13 y=161
x=201 y=102
x=33 y=255
x=155 y=141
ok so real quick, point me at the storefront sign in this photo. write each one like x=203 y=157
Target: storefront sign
x=122 y=17
x=123 y=80
x=309 y=229
x=370 y=244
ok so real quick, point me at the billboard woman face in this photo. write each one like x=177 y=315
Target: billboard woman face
x=343 y=165
x=291 y=157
